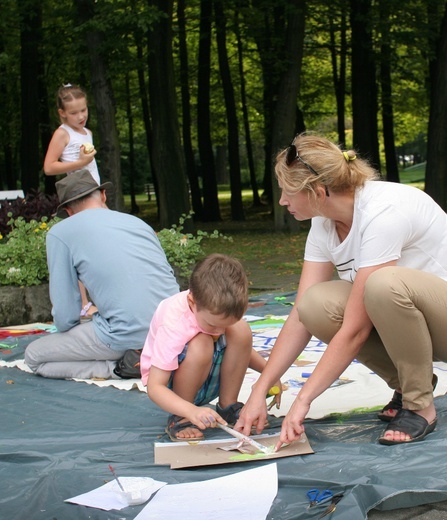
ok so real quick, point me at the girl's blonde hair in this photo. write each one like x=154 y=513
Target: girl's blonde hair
x=67 y=93
x=312 y=161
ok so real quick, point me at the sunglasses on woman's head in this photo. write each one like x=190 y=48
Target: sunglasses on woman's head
x=292 y=155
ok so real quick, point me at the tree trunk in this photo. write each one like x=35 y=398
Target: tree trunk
x=436 y=178
x=109 y=150
x=392 y=169
x=211 y=209
x=134 y=209
x=285 y=110
x=248 y=144
x=146 y=117
x=30 y=36
x=364 y=87
x=339 y=71
x=166 y=147
x=45 y=127
x=237 y=208
x=267 y=27
x=191 y=169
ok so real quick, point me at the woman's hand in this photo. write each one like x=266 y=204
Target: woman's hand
x=253 y=413
x=292 y=427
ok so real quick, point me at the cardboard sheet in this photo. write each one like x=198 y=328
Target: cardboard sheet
x=208 y=453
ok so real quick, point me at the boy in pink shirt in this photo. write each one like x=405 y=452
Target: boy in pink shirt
x=199 y=348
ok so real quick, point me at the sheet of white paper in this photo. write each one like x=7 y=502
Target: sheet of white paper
x=248 y=495
x=106 y=498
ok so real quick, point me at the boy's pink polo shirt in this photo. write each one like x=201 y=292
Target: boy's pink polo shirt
x=172 y=326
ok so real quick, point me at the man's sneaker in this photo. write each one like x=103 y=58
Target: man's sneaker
x=230 y=413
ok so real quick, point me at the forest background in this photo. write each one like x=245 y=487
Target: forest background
x=190 y=95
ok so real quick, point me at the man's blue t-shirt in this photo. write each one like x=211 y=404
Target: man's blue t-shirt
x=121 y=263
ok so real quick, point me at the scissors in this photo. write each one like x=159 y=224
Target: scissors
x=316 y=496
x=335 y=500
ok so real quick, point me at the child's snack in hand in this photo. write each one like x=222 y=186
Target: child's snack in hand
x=88 y=148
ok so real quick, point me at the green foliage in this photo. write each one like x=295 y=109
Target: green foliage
x=23 y=259
x=183 y=250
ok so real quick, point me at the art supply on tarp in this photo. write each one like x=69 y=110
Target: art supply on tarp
x=138 y=490
x=316 y=496
x=335 y=500
x=245 y=438
x=274 y=391
x=116 y=478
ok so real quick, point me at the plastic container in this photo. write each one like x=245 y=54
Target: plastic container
x=137 y=490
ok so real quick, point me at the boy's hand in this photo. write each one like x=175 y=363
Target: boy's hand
x=204 y=417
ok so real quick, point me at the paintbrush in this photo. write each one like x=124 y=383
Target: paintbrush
x=245 y=438
x=116 y=478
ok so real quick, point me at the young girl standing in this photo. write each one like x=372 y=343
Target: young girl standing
x=71 y=147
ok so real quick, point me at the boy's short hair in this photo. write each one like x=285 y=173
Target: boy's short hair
x=219 y=284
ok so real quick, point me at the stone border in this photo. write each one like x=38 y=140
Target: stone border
x=21 y=305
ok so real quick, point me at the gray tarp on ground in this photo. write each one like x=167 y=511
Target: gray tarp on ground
x=58 y=437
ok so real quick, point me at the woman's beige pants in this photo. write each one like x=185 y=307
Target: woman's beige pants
x=408 y=309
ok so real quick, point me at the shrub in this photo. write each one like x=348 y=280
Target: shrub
x=33 y=207
x=23 y=259
x=183 y=250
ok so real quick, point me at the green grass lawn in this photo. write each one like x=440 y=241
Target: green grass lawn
x=254 y=240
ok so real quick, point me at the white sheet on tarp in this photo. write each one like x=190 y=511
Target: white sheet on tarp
x=366 y=389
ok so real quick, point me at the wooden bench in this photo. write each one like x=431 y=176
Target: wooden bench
x=11 y=194
x=149 y=190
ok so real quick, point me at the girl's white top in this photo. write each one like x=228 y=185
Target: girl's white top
x=71 y=151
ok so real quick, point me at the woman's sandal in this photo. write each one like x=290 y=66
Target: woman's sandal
x=396 y=403
x=411 y=424
x=175 y=425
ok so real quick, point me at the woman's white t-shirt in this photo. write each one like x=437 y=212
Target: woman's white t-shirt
x=391 y=222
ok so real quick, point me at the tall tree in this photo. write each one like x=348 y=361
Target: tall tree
x=134 y=209
x=237 y=208
x=286 y=105
x=392 y=169
x=267 y=28
x=338 y=61
x=146 y=115
x=211 y=209
x=363 y=82
x=244 y=105
x=109 y=151
x=30 y=43
x=191 y=168
x=166 y=147
x=436 y=171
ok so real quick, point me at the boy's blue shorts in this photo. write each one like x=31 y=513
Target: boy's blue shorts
x=210 y=388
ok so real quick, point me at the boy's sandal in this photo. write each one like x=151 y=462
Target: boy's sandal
x=231 y=414
x=411 y=424
x=396 y=403
x=175 y=426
